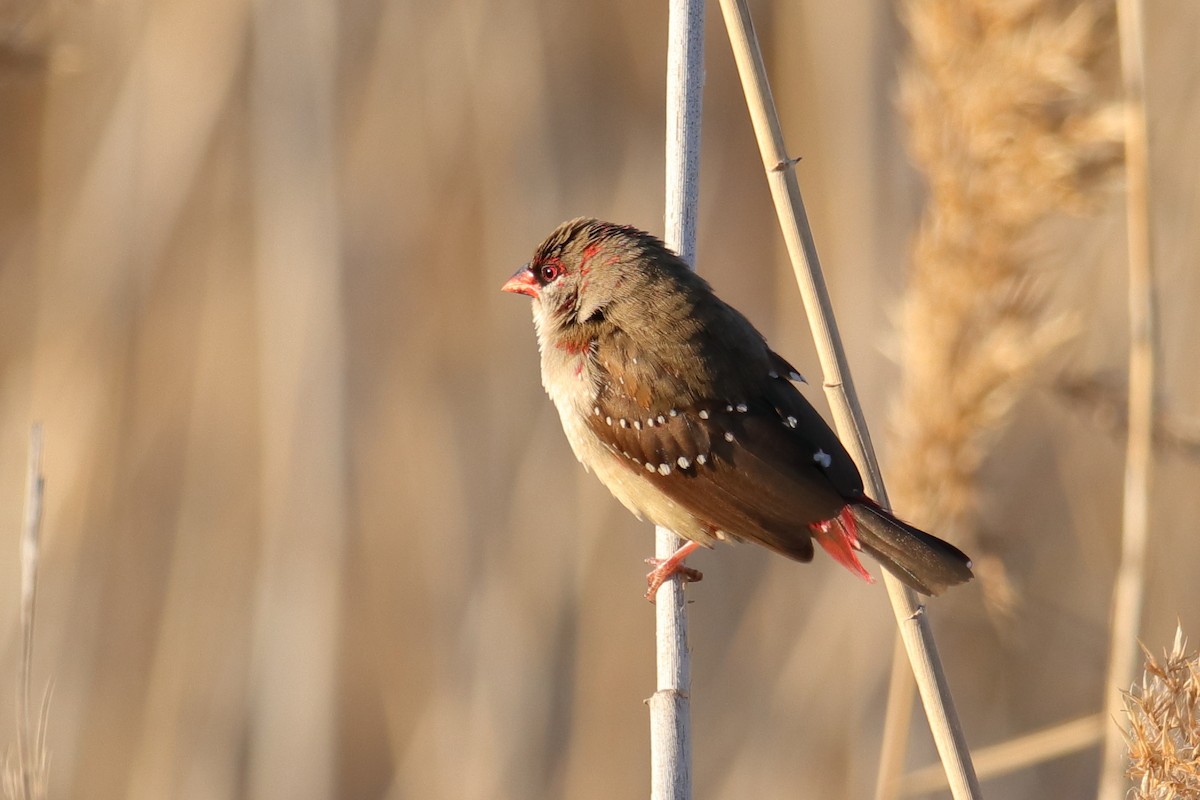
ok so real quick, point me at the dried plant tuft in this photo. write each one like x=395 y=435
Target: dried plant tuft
x=30 y=780
x=1164 y=726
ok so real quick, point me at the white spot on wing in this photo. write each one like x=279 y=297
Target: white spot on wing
x=650 y=422
x=790 y=422
x=729 y=408
x=662 y=420
x=702 y=459
x=822 y=458
x=796 y=376
x=683 y=462
x=637 y=423
x=624 y=424
x=742 y=408
x=729 y=437
x=664 y=469
x=649 y=467
x=703 y=414
x=674 y=412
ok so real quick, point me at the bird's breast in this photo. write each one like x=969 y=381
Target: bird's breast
x=569 y=377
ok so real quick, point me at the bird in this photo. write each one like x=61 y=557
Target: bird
x=683 y=411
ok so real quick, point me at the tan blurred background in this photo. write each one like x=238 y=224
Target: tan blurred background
x=311 y=528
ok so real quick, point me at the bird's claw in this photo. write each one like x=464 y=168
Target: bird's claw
x=664 y=569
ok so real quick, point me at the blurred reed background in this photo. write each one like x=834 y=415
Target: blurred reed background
x=312 y=530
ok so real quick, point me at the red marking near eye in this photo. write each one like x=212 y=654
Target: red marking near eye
x=589 y=253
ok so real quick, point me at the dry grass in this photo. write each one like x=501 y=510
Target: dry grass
x=26 y=776
x=29 y=779
x=490 y=637
x=1009 y=124
x=1164 y=725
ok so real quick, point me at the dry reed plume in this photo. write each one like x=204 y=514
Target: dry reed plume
x=1164 y=726
x=1003 y=104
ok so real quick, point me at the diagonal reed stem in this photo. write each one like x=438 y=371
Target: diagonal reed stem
x=911 y=617
x=670 y=707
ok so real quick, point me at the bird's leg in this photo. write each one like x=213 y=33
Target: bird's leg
x=664 y=568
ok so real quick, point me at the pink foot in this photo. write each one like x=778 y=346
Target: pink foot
x=665 y=568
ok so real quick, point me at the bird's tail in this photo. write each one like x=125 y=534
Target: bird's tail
x=923 y=562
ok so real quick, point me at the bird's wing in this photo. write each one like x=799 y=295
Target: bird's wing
x=756 y=467
x=809 y=430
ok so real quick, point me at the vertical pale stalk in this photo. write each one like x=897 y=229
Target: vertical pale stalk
x=670 y=709
x=911 y=617
x=292 y=742
x=1135 y=519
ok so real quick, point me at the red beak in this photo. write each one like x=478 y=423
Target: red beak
x=522 y=282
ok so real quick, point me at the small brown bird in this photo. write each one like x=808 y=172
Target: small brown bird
x=681 y=409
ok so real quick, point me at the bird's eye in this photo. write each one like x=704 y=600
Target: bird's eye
x=548 y=272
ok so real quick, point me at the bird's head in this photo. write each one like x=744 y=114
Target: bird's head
x=586 y=269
